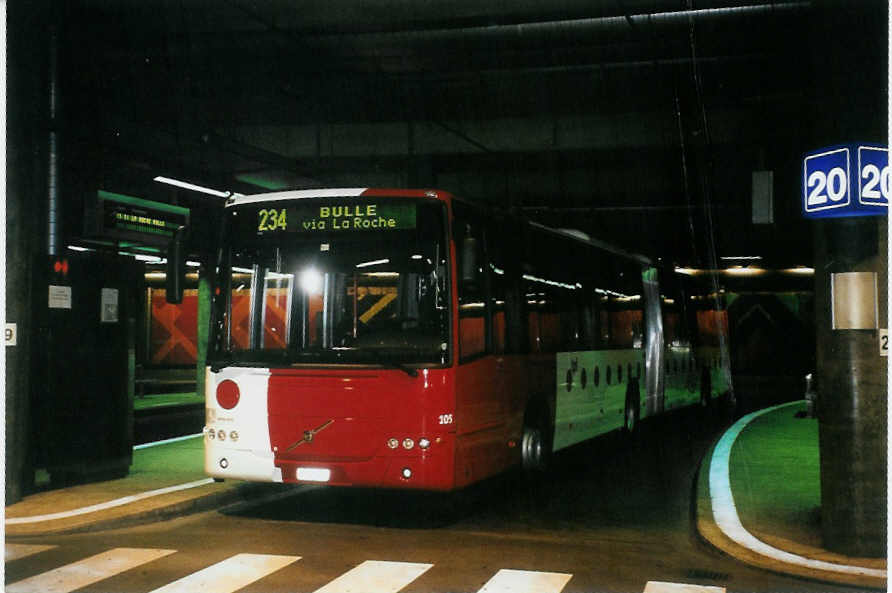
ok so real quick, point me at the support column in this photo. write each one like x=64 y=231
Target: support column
x=25 y=230
x=847 y=105
x=852 y=386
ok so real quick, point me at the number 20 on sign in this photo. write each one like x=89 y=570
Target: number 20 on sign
x=831 y=176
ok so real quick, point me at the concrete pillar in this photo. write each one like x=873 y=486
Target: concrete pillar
x=852 y=387
x=847 y=102
x=25 y=229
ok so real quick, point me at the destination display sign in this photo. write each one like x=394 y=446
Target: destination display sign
x=120 y=217
x=335 y=217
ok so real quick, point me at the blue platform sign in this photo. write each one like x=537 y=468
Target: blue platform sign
x=847 y=180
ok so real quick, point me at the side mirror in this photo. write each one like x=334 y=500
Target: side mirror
x=469 y=259
x=176 y=269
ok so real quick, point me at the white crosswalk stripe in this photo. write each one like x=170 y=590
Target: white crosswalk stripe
x=660 y=587
x=526 y=581
x=230 y=574
x=87 y=571
x=375 y=576
x=16 y=551
x=239 y=571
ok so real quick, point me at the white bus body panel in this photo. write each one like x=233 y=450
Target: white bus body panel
x=251 y=456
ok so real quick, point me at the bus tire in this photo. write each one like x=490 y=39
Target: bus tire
x=534 y=447
x=632 y=412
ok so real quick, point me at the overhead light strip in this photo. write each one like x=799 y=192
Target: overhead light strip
x=193 y=187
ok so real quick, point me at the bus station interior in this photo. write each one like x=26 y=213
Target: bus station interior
x=674 y=129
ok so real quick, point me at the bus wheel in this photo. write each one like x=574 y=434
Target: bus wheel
x=630 y=424
x=533 y=449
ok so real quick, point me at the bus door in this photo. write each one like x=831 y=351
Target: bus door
x=654 y=359
x=479 y=397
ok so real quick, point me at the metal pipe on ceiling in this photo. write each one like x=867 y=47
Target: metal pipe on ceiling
x=563 y=30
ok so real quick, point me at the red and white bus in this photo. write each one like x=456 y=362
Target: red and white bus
x=409 y=339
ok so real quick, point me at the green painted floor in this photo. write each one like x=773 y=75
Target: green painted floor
x=160 y=400
x=775 y=476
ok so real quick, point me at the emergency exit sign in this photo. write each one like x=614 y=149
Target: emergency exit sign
x=846 y=180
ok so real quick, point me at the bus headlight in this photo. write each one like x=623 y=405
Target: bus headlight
x=424 y=443
x=408 y=443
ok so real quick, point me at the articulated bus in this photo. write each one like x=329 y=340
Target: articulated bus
x=408 y=339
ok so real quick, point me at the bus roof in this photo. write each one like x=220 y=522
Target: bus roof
x=345 y=192
x=351 y=192
x=576 y=236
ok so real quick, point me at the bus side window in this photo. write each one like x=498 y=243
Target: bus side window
x=472 y=309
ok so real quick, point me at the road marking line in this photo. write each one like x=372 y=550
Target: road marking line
x=526 y=581
x=108 y=505
x=375 y=576
x=229 y=575
x=168 y=441
x=87 y=571
x=724 y=510
x=16 y=551
x=661 y=587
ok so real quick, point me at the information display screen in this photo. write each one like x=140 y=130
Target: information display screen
x=120 y=217
x=326 y=218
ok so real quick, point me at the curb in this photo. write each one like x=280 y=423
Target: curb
x=125 y=517
x=718 y=523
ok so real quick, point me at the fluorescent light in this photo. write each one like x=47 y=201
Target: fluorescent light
x=193 y=264
x=149 y=259
x=738 y=271
x=373 y=263
x=741 y=257
x=193 y=187
x=687 y=271
x=76 y=248
x=800 y=271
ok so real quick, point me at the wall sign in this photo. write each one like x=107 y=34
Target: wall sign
x=108 y=312
x=846 y=180
x=59 y=297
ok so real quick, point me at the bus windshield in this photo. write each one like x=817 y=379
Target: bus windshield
x=333 y=281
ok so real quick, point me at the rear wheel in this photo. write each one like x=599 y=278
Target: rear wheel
x=535 y=445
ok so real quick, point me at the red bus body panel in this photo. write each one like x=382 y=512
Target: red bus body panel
x=354 y=413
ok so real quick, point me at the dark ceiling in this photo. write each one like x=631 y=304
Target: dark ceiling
x=639 y=121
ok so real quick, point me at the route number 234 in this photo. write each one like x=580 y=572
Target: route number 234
x=272 y=219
